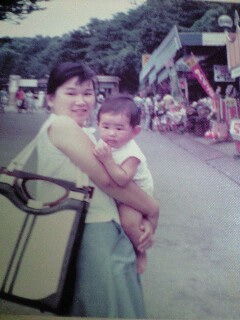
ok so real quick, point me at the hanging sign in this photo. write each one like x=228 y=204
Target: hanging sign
x=200 y=76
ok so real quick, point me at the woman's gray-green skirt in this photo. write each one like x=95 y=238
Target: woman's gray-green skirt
x=107 y=284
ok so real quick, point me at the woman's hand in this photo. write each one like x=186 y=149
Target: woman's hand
x=153 y=219
x=146 y=239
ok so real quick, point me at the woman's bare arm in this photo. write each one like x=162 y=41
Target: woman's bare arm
x=72 y=141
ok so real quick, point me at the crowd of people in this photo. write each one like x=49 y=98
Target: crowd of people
x=164 y=113
x=30 y=100
x=158 y=113
x=3 y=99
x=25 y=100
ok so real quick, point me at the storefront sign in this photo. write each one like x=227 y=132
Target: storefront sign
x=31 y=83
x=213 y=39
x=200 y=76
x=235 y=129
x=221 y=74
x=235 y=72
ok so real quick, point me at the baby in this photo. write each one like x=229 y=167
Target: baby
x=118 y=121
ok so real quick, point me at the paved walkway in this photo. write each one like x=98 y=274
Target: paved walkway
x=219 y=155
x=193 y=270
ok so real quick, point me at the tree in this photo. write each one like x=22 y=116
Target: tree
x=8 y=62
x=18 y=9
x=125 y=67
x=74 y=46
x=115 y=46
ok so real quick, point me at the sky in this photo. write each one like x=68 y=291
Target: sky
x=63 y=16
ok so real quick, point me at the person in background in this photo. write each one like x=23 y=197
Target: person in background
x=40 y=100
x=106 y=283
x=20 y=98
x=149 y=111
x=100 y=99
x=30 y=101
x=3 y=99
x=141 y=105
x=219 y=92
x=119 y=122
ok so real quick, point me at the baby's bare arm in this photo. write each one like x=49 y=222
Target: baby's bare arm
x=121 y=174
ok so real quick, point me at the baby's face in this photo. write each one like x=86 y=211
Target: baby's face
x=115 y=129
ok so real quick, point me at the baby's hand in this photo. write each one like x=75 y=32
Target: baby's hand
x=103 y=152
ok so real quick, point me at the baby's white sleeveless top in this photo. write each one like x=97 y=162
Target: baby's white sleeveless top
x=54 y=163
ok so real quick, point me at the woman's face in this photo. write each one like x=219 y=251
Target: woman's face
x=73 y=99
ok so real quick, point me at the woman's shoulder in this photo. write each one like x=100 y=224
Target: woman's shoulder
x=61 y=129
x=63 y=120
x=63 y=123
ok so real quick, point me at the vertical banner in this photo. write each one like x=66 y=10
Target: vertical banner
x=197 y=71
x=233 y=49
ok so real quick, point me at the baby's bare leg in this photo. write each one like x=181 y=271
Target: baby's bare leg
x=131 y=221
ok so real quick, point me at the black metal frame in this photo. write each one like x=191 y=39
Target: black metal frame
x=16 y=192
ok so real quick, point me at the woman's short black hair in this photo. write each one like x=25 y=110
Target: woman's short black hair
x=121 y=103
x=64 y=71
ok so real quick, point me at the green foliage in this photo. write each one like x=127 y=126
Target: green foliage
x=112 y=47
x=8 y=61
x=74 y=48
x=18 y=9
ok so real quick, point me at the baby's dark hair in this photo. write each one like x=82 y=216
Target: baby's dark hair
x=64 y=71
x=121 y=103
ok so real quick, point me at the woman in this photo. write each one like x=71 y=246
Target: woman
x=107 y=284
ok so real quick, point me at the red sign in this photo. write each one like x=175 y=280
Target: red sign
x=200 y=76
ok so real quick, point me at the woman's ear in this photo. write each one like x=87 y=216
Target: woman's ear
x=136 y=130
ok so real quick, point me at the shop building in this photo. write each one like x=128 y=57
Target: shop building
x=108 y=84
x=190 y=66
x=168 y=70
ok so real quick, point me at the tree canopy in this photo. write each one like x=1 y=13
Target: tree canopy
x=115 y=46
x=18 y=9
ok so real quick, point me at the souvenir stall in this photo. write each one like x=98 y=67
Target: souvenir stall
x=227 y=105
x=233 y=107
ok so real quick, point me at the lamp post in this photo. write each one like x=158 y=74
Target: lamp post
x=224 y=21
